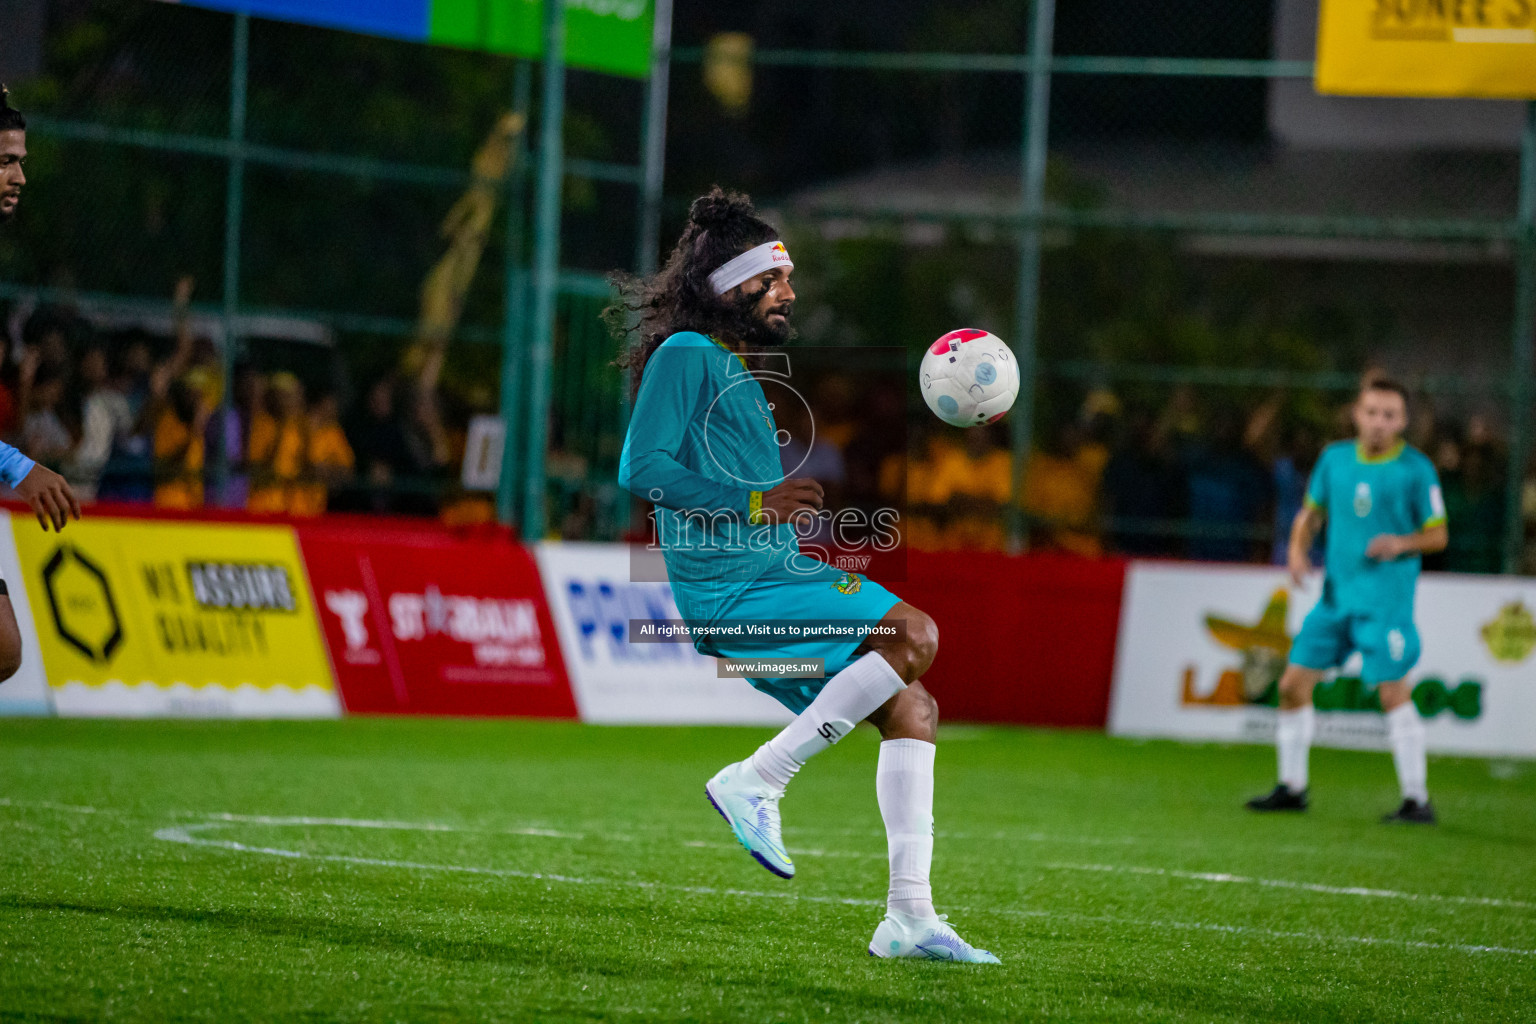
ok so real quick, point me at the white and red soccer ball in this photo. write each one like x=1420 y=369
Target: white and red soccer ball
x=969 y=377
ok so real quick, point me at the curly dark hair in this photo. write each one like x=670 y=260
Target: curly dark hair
x=10 y=118
x=721 y=226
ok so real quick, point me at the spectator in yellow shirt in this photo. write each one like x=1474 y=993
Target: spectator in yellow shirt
x=1061 y=493
x=917 y=485
x=178 y=447
x=279 y=444
x=975 y=481
x=329 y=459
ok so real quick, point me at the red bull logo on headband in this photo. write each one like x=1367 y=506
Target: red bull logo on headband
x=749 y=264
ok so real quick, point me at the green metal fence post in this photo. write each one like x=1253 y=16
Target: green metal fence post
x=514 y=323
x=653 y=155
x=234 y=210
x=1036 y=129
x=546 y=264
x=1523 y=342
x=653 y=164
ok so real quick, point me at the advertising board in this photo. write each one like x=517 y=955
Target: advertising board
x=594 y=595
x=1201 y=649
x=422 y=622
x=145 y=618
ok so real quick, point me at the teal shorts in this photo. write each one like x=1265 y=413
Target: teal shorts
x=827 y=595
x=1388 y=643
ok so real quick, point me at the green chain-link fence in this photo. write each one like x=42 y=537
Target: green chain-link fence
x=301 y=176
x=1163 y=220
x=1184 y=240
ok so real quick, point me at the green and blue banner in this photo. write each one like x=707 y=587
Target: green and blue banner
x=612 y=36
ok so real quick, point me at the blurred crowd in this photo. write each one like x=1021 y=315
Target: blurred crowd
x=130 y=417
x=1192 y=477
x=127 y=417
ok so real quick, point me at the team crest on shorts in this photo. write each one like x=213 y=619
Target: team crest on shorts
x=849 y=583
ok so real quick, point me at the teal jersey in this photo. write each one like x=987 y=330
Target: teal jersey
x=702 y=447
x=1363 y=498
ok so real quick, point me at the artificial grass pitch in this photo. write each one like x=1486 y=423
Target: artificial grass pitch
x=438 y=870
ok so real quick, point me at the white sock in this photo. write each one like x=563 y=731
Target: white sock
x=1293 y=740
x=848 y=698
x=904 y=787
x=1405 y=730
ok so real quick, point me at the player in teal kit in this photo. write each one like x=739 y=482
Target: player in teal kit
x=1381 y=500
x=703 y=447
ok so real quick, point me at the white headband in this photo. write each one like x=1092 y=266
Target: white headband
x=748 y=265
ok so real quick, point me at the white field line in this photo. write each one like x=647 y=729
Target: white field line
x=49 y=805
x=1280 y=883
x=401 y=826
x=1038 y=837
x=1025 y=837
x=265 y=819
x=186 y=834
x=1001 y=835
x=414 y=826
x=542 y=833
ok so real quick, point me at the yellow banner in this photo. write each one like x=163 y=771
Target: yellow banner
x=1473 y=48
x=200 y=606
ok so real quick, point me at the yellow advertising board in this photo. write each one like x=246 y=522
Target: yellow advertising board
x=175 y=618
x=1470 y=48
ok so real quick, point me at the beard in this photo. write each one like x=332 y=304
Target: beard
x=754 y=329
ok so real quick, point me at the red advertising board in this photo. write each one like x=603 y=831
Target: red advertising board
x=1022 y=638
x=421 y=622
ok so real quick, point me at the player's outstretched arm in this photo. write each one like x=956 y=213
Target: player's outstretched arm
x=48 y=493
x=51 y=498
x=1303 y=529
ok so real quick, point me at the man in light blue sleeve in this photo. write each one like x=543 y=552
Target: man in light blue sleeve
x=47 y=492
x=1381 y=500
x=703 y=447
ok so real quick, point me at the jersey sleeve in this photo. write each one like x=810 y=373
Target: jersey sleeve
x=672 y=395
x=14 y=466
x=1428 y=501
x=1316 y=497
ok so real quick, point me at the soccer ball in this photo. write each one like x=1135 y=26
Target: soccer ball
x=969 y=377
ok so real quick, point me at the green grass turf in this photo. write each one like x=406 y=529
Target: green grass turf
x=657 y=915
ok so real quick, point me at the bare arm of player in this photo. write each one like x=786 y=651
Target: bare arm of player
x=1303 y=529
x=50 y=497
x=790 y=497
x=1426 y=542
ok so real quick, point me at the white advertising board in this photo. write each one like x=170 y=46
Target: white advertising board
x=26 y=692
x=1201 y=646
x=592 y=595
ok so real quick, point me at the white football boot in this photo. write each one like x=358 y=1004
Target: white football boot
x=924 y=938
x=751 y=807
